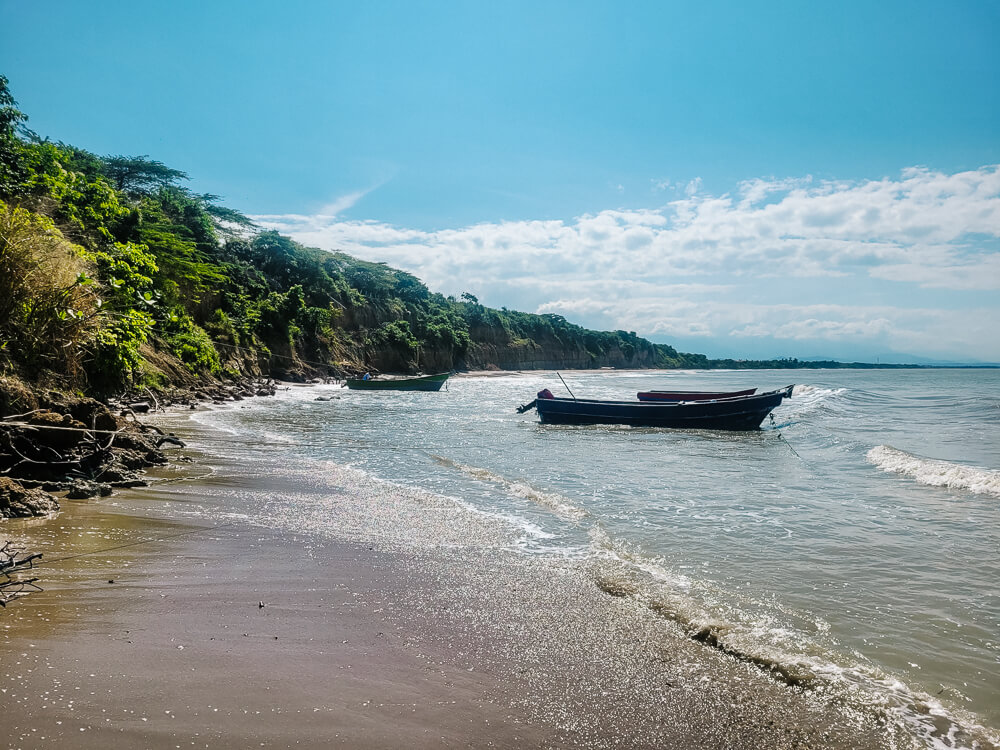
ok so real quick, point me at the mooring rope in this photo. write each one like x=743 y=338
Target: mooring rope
x=782 y=439
x=131 y=544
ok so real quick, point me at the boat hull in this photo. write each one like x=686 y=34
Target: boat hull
x=740 y=413
x=426 y=383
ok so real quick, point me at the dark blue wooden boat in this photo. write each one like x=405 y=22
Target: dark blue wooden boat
x=736 y=413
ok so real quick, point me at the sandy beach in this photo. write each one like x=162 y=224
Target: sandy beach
x=177 y=651
x=150 y=633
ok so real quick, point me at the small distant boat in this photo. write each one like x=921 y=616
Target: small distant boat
x=735 y=413
x=421 y=383
x=691 y=395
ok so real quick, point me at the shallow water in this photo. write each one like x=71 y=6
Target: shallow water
x=852 y=546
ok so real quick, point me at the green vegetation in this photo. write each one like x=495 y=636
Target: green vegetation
x=48 y=307
x=106 y=261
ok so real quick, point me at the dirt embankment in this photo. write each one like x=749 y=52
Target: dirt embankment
x=54 y=444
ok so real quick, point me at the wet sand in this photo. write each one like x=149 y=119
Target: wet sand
x=179 y=652
x=359 y=644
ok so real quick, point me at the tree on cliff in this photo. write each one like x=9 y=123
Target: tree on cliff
x=13 y=172
x=140 y=175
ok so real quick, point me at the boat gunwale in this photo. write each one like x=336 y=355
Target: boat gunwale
x=674 y=396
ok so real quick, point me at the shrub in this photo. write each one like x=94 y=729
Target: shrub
x=396 y=334
x=190 y=344
x=48 y=305
x=114 y=357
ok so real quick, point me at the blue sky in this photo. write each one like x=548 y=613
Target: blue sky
x=742 y=179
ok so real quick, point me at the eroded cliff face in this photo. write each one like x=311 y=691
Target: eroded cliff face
x=493 y=349
x=542 y=357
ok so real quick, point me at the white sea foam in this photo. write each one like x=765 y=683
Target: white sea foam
x=814 y=394
x=213 y=419
x=559 y=504
x=936 y=473
x=528 y=537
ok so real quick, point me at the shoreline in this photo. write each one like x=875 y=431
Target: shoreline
x=426 y=648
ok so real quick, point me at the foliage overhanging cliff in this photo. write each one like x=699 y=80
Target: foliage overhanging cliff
x=111 y=270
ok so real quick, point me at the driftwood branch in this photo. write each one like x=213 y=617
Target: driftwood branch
x=11 y=584
x=71 y=464
x=111 y=439
x=12 y=417
x=56 y=456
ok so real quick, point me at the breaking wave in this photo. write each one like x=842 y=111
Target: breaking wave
x=560 y=505
x=807 y=397
x=936 y=473
x=815 y=392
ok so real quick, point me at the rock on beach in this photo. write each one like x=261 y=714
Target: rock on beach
x=16 y=501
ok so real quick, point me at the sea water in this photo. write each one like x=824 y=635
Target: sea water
x=851 y=546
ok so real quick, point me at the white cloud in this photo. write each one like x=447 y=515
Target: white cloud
x=693 y=187
x=322 y=219
x=341 y=204
x=693 y=266
x=926 y=331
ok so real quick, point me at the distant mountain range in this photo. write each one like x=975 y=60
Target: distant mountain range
x=907 y=359
x=766 y=348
